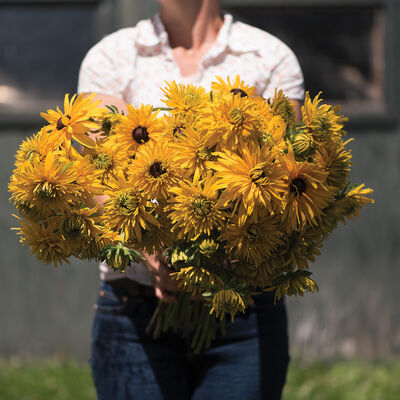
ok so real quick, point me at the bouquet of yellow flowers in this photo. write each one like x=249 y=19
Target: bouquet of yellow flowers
x=235 y=192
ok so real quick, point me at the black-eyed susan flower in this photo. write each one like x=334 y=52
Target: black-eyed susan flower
x=194 y=153
x=321 y=120
x=336 y=160
x=196 y=280
x=140 y=126
x=76 y=120
x=255 y=178
x=155 y=170
x=307 y=194
x=194 y=209
x=255 y=240
x=294 y=284
x=184 y=98
x=37 y=146
x=232 y=120
x=235 y=87
x=48 y=185
x=45 y=241
x=127 y=210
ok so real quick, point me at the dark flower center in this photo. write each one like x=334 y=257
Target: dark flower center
x=60 y=125
x=241 y=92
x=178 y=130
x=140 y=134
x=298 y=186
x=157 y=169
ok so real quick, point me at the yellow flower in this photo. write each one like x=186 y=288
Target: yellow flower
x=353 y=201
x=194 y=209
x=193 y=152
x=196 y=280
x=184 y=98
x=49 y=186
x=37 y=146
x=139 y=127
x=74 y=122
x=155 y=238
x=255 y=240
x=108 y=122
x=109 y=159
x=208 y=247
x=45 y=242
x=322 y=121
x=337 y=161
x=227 y=301
x=307 y=194
x=177 y=124
x=233 y=120
x=78 y=223
x=127 y=210
x=91 y=246
x=155 y=170
x=255 y=178
x=294 y=284
x=303 y=146
x=235 y=87
x=282 y=106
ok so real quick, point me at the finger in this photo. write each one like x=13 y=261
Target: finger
x=164 y=296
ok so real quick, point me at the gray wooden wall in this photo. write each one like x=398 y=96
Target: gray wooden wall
x=356 y=314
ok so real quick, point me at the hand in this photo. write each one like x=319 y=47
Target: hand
x=162 y=281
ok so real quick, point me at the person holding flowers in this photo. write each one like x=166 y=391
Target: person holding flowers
x=190 y=43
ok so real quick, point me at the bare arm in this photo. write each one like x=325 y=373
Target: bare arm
x=297 y=109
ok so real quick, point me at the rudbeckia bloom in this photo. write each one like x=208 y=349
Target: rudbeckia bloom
x=155 y=170
x=48 y=185
x=194 y=209
x=321 y=121
x=253 y=241
x=127 y=210
x=139 y=127
x=235 y=87
x=255 y=178
x=37 y=146
x=233 y=120
x=74 y=122
x=185 y=98
x=307 y=193
x=45 y=242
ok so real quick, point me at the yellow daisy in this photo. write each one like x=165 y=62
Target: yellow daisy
x=45 y=242
x=47 y=185
x=234 y=87
x=37 y=146
x=281 y=105
x=337 y=161
x=108 y=158
x=307 y=193
x=233 y=120
x=255 y=178
x=139 y=127
x=194 y=209
x=176 y=125
x=193 y=152
x=155 y=170
x=321 y=121
x=185 y=98
x=75 y=121
x=127 y=210
x=253 y=241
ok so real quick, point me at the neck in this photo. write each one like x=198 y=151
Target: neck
x=191 y=23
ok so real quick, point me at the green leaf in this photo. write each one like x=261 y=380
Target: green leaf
x=211 y=96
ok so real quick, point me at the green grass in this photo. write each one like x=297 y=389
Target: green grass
x=345 y=380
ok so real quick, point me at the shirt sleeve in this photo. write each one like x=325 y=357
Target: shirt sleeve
x=108 y=66
x=286 y=75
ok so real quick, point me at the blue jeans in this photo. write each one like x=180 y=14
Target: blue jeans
x=249 y=362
